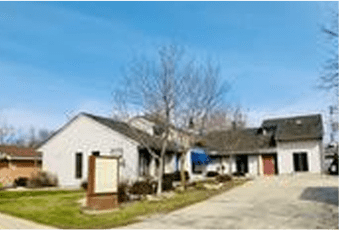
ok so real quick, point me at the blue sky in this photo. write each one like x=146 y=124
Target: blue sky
x=59 y=58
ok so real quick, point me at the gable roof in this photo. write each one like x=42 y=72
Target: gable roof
x=295 y=128
x=19 y=152
x=123 y=128
x=233 y=141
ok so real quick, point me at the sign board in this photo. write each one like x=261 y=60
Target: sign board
x=103 y=181
x=106 y=175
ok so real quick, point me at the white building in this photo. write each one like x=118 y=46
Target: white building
x=66 y=152
x=279 y=146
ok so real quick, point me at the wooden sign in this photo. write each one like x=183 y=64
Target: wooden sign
x=103 y=181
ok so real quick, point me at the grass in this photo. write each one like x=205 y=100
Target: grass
x=61 y=208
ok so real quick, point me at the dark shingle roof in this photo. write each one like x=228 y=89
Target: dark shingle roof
x=295 y=128
x=142 y=137
x=246 y=140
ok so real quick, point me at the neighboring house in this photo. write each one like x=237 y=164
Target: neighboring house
x=284 y=145
x=66 y=152
x=18 y=162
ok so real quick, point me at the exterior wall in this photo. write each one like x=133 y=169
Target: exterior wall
x=9 y=171
x=86 y=135
x=220 y=165
x=253 y=163
x=142 y=124
x=170 y=161
x=285 y=152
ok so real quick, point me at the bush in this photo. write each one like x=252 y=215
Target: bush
x=167 y=181
x=177 y=176
x=212 y=174
x=223 y=178
x=142 y=188
x=238 y=174
x=84 y=185
x=42 y=179
x=21 y=181
x=123 y=192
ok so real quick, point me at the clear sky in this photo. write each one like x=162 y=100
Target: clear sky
x=59 y=58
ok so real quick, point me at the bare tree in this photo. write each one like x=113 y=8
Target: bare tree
x=173 y=88
x=7 y=134
x=35 y=137
x=329 y=76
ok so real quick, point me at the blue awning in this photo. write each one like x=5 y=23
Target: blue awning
x=200 y=157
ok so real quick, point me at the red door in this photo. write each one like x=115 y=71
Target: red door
x=268 y=164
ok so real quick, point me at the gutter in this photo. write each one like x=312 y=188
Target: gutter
x=258 y=151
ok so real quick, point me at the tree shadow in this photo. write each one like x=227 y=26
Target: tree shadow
x=328 y=195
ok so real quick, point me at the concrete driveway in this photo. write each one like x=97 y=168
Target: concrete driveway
x=298 y=201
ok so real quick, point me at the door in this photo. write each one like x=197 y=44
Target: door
x=268 y=164
x=242 y=164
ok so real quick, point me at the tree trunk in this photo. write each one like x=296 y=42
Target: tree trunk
x=182 y=172
x=230 y=165
x=161 y=167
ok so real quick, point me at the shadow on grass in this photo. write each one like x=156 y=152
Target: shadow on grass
x=328 y=195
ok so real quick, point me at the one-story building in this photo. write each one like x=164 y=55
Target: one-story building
x=18 y=162
x=66 y=152
x=284 y=145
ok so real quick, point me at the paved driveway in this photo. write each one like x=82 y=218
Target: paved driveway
x=10 y=222
x=299 y=201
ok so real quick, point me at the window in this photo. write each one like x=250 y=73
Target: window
x=198 y=168
x=78 y=165
x=300 y=162
x=144 y=162
x=96 y=153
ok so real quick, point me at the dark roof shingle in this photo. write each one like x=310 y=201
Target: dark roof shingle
x=141 y=137
x=295 y=128
x=246 y=140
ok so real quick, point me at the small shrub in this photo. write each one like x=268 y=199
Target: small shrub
x=177 y=176
x=167 y=182
x=84 y=185
x=141 y=188
x=123 y=192
x=223 y=178
x=21 y=181
x=42 y=179
x=212 y=174
x=238 y=174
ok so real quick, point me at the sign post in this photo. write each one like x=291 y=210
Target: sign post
x=103 y=180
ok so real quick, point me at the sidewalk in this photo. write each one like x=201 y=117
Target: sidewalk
x=10 y=222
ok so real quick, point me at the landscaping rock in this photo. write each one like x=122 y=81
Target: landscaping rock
x=213 y=186
x=153 y=198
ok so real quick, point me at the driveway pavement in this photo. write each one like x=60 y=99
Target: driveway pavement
x=300 y=201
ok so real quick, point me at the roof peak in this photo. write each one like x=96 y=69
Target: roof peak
x=294 y=117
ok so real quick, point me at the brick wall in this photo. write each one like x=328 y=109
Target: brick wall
x=9 y=171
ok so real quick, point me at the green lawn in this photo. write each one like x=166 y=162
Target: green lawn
x=62 y=210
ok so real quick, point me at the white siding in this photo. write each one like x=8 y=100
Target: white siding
x=142 y=124
x=170 y=163
x=86 y=135
x=253 y=164
x=285 y=155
